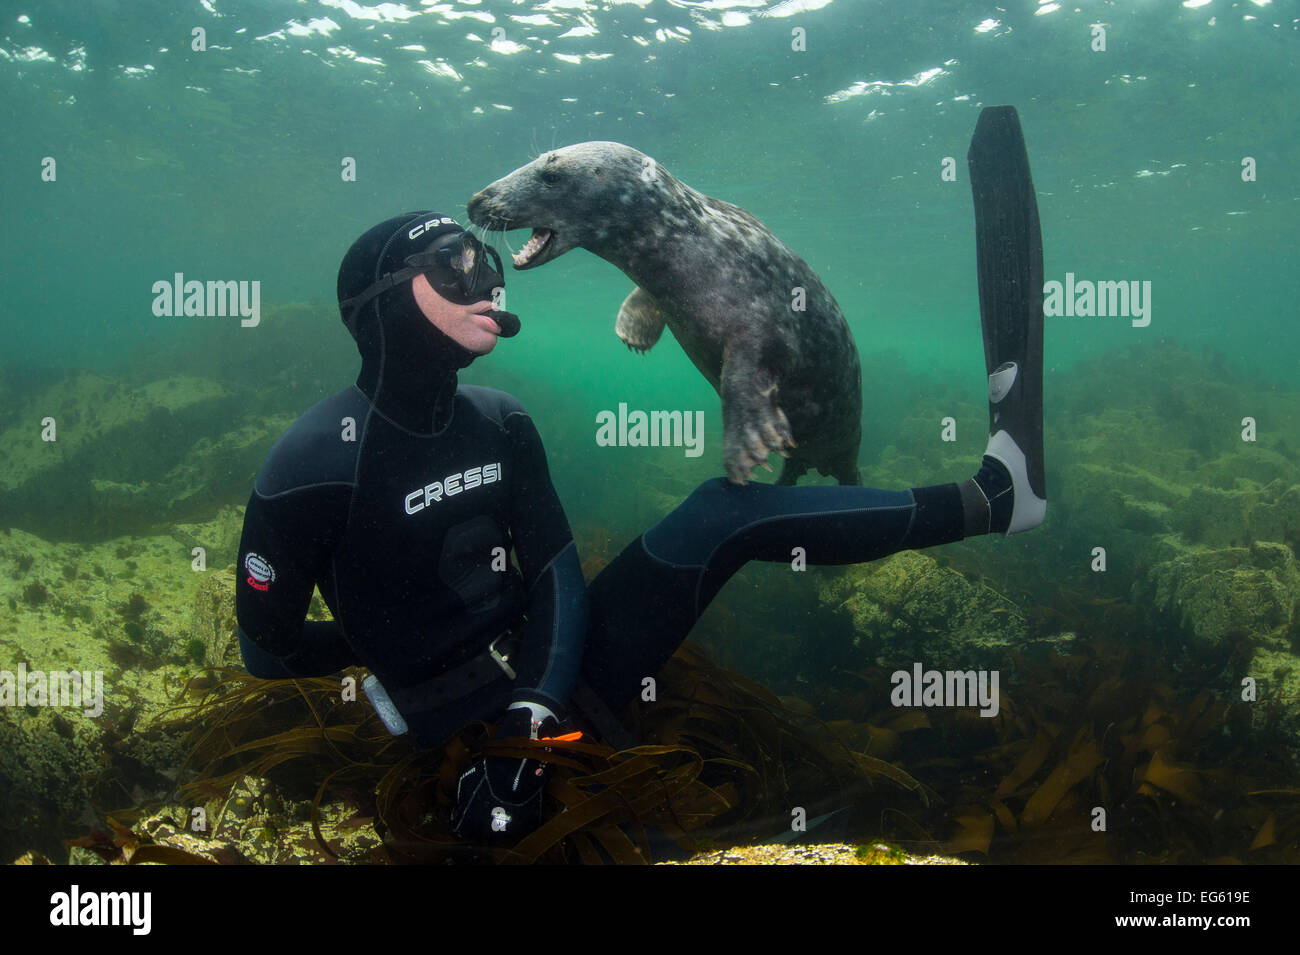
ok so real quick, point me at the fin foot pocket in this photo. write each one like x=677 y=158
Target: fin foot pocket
x=1027 y=509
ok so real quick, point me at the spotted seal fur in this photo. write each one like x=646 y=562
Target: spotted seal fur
x=728 y=288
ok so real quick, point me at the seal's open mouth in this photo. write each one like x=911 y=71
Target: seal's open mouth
x=533 y=251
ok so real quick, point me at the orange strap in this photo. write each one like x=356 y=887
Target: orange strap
x=566 y=738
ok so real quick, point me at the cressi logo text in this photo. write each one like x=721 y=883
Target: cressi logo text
x=452 y=485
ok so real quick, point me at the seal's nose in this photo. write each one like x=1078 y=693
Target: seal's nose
x=475 y=204
x=480 y=208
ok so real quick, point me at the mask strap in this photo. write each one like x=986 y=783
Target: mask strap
x=390 y=280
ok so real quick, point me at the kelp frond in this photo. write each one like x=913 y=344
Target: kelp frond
x=720 y=754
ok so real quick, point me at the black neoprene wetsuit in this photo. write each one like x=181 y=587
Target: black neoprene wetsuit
x=407 y=536
x=399 y=531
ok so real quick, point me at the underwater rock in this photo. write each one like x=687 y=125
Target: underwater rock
x=906 y=606
x=254 y=824
x=258 y=823
x=824 y=854
x=1239 y=609
x=49 y=762
x=120 y=609
x=1275 y=515
x=114 y=442
x=1212 y=594
x=218 y=470
x=1162 y=454
x=210 y=476
x=219 y=537
x=1122 y=496
x=1218 y=517
x=213 y=622
x=265 y=826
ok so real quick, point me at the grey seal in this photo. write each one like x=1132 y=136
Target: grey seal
x=752 y=315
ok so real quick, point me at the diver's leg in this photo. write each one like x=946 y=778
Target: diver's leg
x=646 y=601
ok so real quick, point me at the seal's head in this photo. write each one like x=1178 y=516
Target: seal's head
x=581 y=195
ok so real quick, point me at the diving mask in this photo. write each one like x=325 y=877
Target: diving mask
x=459 y=268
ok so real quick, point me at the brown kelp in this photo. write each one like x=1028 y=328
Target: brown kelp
x=720 y=758
x=1091 y=759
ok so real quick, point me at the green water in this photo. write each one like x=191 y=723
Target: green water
x=225 y=164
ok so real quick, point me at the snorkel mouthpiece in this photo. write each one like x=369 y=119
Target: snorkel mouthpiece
x=506 y=321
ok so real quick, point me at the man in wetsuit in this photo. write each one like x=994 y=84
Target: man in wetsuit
x=401 y=498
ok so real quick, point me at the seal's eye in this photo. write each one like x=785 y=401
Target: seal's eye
x=550 y=177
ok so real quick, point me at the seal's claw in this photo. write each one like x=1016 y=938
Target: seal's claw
x=736 y=474
x=753 y=427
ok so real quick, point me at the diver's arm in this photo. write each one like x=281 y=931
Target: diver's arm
x=551 y=657
x=500 y=794
x=284 y=548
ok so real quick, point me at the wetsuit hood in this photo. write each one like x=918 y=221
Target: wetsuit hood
x=408 y=366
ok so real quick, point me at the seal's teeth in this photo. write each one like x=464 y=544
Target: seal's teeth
x=531 y=247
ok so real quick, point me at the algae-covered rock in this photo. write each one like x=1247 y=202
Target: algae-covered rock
x=816 y=854
x=121 y=609
x=131 y=458
x=1213 y=593
x=1275 y=515
x=1277 y=672
x=1139 y=444
x=219 y=537
x=213 y=622
x=210 y=476
x=1217 y=517
x=1239 y=610
x=99 y=420
x=257 y=822
x=217 y=470
x=50 y=760
x=907 y=606
x=113 y=444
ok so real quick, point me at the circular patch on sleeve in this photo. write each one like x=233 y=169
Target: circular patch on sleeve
x=260 y=572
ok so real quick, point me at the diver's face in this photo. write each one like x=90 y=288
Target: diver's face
x=464 y=324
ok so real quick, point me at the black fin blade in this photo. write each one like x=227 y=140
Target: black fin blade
x=1009 y=261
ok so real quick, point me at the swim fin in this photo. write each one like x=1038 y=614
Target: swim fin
x=1009 y=258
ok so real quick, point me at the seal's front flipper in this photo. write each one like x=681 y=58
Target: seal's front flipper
x=1009 y=256
x=753 y=424
x=640 y=321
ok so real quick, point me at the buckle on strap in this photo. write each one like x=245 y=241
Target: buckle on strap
x=503 y=659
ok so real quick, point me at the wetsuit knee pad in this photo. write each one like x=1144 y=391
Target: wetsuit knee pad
x=687 y=536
